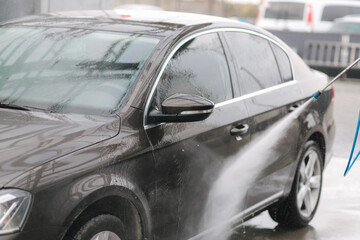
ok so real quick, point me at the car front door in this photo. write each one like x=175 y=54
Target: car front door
x=194 y=159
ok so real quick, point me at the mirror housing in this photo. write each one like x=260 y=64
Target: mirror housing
x=183 y=108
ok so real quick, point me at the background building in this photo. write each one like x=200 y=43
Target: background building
x=10 y=9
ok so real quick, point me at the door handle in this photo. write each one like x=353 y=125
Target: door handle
x=293 y=107
x=239 y=130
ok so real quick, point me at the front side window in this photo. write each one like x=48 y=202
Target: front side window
x=256 y=65
x=199 y=68
x=69 y=70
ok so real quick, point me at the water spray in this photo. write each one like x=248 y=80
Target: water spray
x=318 y=93
x=224 y=207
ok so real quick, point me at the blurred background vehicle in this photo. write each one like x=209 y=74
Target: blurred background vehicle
x=348 y=24
x=139 y=7
x=303 y=15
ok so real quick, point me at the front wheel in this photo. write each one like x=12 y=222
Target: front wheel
x=102 y=227
x=300 y=206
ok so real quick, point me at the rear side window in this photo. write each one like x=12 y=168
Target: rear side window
x=283 y=63
x=285 y=10
x=332 y=12
x=255 y=62
x=200 y=68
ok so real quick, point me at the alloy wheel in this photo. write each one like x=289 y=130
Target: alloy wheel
x=105 y=235
x=309 y=183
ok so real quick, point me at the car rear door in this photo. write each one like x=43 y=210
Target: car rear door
x=267 y=85
x=191 y=157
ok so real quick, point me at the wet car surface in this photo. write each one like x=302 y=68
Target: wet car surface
x=165 y=126
x=338 y=211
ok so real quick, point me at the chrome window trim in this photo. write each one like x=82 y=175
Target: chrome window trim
x=271 y=40
x=216 y=30
x=253 y=94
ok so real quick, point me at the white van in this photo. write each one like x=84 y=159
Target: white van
x=303 y=15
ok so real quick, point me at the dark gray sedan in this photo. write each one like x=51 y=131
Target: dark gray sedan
x=154 y=125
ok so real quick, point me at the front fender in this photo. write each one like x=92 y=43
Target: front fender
x=115 y=189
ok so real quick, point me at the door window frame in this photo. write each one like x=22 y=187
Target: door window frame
x=266 y=38
x=231 y=65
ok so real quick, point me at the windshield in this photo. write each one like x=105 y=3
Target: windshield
x=69 y=70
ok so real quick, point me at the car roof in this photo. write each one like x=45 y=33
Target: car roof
x=161 y=23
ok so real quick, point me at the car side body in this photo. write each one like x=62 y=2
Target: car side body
x=155 y=176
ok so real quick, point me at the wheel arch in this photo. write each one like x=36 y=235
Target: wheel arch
x=315 y=135
x=319 y=138
x=118 y=201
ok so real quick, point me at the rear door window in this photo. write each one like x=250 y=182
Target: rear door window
x=330 y=13
x=200 y=68
x=283 y=63
x=256 y=64
x=285 y=10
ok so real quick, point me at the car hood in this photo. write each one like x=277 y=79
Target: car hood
x=28 y=139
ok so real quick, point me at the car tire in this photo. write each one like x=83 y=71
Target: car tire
x=101 y=227
x=300 y=206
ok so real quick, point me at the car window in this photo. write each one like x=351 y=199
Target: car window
x=283 y=63
x=200 y=68
x=284 y=10
x=345 y=27
x=255 y=62
x=332 y=12
x=69 y=70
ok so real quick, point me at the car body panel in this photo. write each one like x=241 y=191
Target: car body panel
x=120 y=166
x=30 y=139
x=266 y=110
x=189 y=158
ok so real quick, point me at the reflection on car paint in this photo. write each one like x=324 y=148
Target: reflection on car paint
x=227 y=194
x=165 y=195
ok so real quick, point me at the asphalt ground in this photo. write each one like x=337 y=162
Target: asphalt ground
x=338 y=214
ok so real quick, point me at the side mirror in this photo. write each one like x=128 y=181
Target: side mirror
x=183 y=108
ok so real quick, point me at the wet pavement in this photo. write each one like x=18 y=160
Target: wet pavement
x=338 y=214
